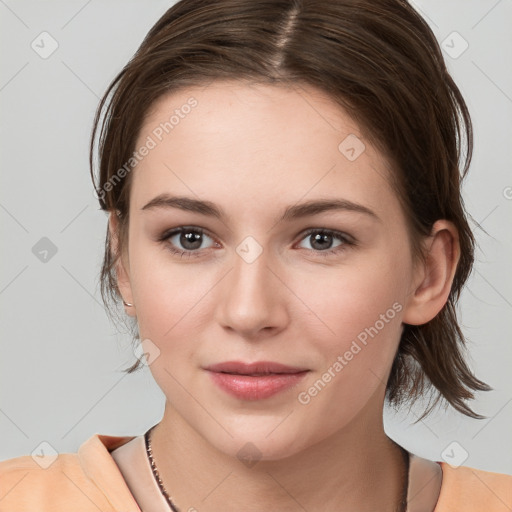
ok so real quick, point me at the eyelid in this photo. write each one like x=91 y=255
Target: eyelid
x=334 y=232
x=183 y=229
x=173 y=231
x=347 y=242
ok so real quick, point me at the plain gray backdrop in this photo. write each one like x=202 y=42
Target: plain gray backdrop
x=61 y=358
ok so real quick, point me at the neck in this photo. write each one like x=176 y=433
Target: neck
x=357 y=468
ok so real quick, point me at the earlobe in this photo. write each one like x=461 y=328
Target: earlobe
x=435 y=275
x=122 y=272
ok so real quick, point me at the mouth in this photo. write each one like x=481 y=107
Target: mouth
x=256 y=369
x=255 y=381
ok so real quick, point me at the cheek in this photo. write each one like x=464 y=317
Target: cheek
x=361 y=310
x=361 y=319
x=347 y=300
x=168 y=294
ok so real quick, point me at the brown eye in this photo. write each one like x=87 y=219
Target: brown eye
x=322 y=240
x=185 y=241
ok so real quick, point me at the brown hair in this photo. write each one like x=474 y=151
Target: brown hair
x=380 y=61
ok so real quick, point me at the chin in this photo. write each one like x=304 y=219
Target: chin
x=263 y=440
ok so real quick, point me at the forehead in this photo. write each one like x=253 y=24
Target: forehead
x=248 y=143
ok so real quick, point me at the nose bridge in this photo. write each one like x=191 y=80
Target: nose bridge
x=250 y=302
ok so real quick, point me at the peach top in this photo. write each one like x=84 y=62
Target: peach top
x=100 y=478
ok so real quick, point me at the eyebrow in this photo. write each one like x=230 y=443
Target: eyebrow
x=209 y=209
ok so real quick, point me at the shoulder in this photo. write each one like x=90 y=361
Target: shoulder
x=474 y=490
x=83 y=482
x=27 y=485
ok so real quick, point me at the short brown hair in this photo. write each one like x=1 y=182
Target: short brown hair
x=380 y=61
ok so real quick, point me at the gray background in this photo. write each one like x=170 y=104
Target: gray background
x=61 y=359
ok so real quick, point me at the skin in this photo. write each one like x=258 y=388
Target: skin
x=254 y=150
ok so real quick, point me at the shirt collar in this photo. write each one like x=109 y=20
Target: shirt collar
x=425 y=476
x=100 y=467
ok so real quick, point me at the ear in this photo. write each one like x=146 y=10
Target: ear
x=433 y=278
x=122 y=267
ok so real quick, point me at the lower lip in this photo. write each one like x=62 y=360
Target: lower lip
x=246 y=387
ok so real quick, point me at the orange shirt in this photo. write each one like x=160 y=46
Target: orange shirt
x=90 y=481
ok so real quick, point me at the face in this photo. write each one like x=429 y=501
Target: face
x=269 y=278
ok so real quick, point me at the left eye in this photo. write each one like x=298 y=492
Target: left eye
x=322 y=239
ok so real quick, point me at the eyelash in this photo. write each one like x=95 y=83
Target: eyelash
x=347 y=241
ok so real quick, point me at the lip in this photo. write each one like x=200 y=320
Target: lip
x=264 y=367
x=255 y=381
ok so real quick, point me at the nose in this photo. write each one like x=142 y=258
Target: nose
x=252 y=301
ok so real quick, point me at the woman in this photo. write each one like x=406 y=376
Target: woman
x=286 y=231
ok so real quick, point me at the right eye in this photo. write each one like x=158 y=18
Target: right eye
x=189 y=237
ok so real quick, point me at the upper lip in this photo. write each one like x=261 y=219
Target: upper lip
x=258 y=367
